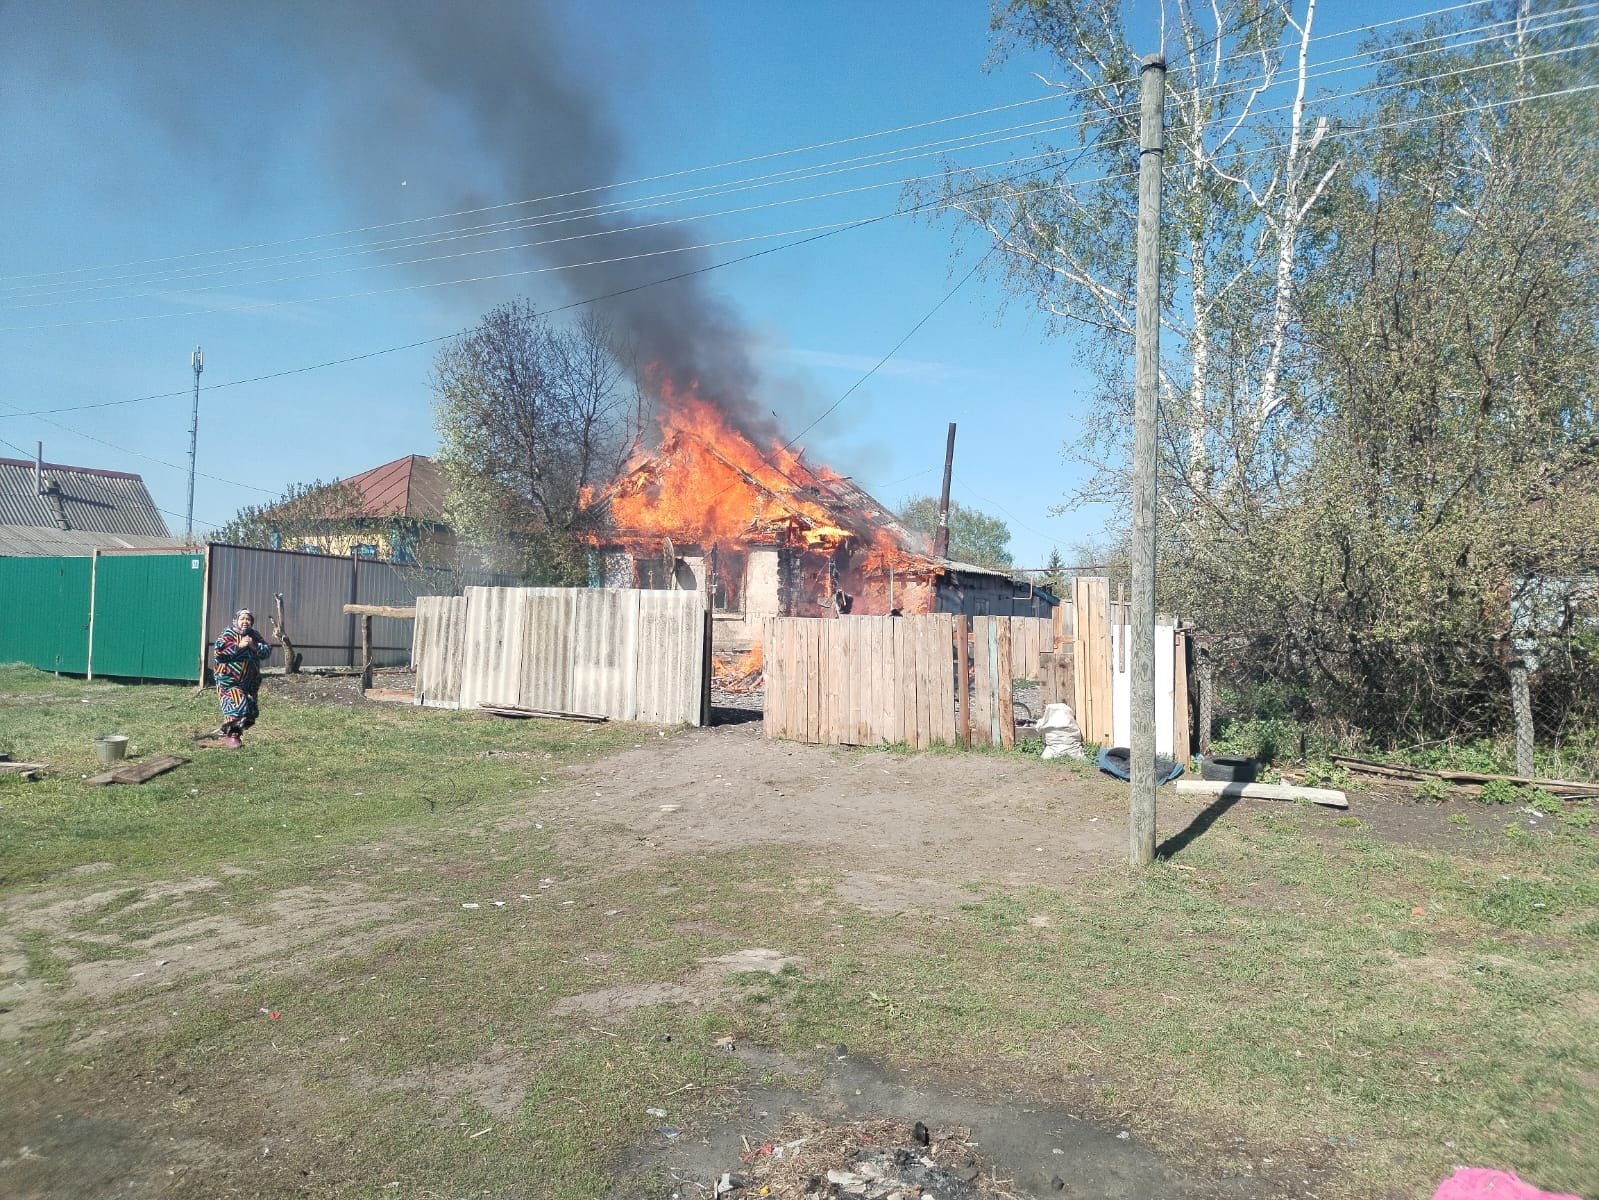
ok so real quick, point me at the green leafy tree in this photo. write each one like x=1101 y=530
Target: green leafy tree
x=531 y=416
x=974 y=537
x=1444 y=493
x=305 y=513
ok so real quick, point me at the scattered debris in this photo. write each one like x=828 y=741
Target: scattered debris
x=862 y=1160
x=30 y=771
x=138 y=772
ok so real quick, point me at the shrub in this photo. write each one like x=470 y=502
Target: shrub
x=1433 y=790
x=1499 y=791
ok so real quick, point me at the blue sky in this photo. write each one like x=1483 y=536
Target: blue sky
x=180 y=132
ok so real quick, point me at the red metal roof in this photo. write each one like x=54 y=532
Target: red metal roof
x=412 y=486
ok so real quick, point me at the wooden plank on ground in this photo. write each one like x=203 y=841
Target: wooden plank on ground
x=138 y=772
x=516 y=710
x=1569 y=787
x=1261 y=791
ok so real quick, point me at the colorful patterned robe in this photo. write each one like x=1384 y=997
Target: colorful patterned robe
x=238 y=676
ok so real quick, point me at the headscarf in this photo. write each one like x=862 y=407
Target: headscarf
x=243 y=612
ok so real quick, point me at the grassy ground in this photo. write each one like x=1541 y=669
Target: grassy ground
x=1333 y=998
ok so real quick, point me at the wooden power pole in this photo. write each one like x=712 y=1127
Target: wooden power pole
x=1146 y=352
x=941 y=538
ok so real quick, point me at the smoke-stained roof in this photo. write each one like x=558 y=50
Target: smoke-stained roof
x=85 y=499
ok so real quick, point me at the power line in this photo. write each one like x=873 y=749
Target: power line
x=140 y=454
x=1408 y=83
x=817 y=172
x=1344 y=134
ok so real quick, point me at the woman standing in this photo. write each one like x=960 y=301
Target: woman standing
x=240 y=652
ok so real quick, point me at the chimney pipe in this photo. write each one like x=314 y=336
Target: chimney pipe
x=941 y=537
x=38 y=469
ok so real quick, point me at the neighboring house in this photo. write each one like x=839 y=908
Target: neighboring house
x=400 y=516
x=771 y=535
x=52 y=509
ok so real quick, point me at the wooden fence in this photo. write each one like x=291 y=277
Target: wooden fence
x=865 y=681
x=623 y=653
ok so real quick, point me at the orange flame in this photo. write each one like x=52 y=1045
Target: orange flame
x=723 y=488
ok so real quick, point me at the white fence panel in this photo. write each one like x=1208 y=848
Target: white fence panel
x=605 y=652
x=627 y=654
x=438 y=648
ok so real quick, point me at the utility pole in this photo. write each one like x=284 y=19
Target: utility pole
x=1146 y=396
x=198 y=362
x=941 y=538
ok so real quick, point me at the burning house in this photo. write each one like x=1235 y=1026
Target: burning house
x=769 y=534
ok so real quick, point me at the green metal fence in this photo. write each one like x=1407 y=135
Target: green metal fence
x=44 y=613
x=146 y=619
x=135 y=616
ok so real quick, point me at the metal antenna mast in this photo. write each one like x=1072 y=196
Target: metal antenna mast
x=194 y=437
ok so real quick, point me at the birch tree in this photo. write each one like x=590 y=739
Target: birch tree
x=1247 y=166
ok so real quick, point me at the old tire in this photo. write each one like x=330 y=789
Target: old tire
x=1229 y=768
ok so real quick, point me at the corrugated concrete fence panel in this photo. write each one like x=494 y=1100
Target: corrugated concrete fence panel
x=492 y=667
x=547 y=649
x=605 y=653
x=439 y=650
x=671 y=658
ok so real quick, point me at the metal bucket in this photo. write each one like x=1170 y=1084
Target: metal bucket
x=111 y=748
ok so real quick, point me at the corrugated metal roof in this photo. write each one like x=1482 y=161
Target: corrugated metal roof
x=32 y=541
x=92 y=500
x=412 y=486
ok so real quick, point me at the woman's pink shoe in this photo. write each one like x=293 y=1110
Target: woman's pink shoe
x=233 y=741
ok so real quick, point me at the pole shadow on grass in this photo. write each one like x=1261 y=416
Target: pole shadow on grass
x=1195 y=829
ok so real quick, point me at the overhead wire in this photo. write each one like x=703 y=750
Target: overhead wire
x=976 y=141
x=140 y=454
x=743 y=258
x=902 y=154
x=268 y=304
